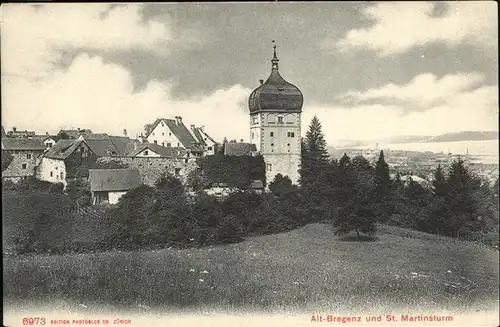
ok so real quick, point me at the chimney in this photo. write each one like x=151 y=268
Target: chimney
x=192 y=127
x=261 y=81
x=14 y=128
x=241 y=140
x=47 y=133
x=125 y=132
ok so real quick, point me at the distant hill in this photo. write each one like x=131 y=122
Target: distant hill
x=403 y=139
x=464 y=136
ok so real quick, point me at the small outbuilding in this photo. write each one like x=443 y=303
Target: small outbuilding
x=109 y=185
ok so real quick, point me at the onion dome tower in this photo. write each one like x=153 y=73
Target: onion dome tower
x=275 y=126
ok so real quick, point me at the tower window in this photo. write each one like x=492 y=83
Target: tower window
x=271 y=134
x=280 y=120
x=146 y=152
x=269 y=167
x=169 y=144
x=291 y=134
x=272 y=144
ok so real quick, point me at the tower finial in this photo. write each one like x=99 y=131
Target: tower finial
x=275 y=59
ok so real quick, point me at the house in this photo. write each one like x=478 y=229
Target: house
x=108 y=185
x=48 y=140
x=173 y=133
x=73 y=133
x=71 y=158
x=26 y=154
x=240 y=149
x=20 y=134
x=204 y=140
x=256 y=186
x=3 y=132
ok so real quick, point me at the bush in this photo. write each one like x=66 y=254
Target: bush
x=206 y=212
x=229 y=230
x=79 y=191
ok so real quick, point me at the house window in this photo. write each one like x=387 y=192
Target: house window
x=24 y=166
x=269 y=167
x=28 y=156
x=162 y=143
x=186 y=160
x=51 y=174
x=62 y=175
x=280 y=120
x=169 y=134
x=178 y=145
x=146 y=152
x=209 y=148
x=169 y=144
x=271 y=134
x=162 y=134
x=57 y=177
x=162 y=125
x=272 y=144
x=291 y=134
x=156 y=142
x=177 y=171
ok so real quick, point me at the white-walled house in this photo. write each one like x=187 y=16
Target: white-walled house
x=109 y=185
x=173 y=133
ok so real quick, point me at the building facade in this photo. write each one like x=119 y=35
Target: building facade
x=275 y=124
x=26 y=154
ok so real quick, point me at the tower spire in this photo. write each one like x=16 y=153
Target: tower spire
x=275 y=59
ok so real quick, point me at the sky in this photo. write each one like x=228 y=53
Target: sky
x=368 y=70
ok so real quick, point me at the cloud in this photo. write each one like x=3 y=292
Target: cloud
x=32 y=36
x=401 y=26
x=456 y=102
x=96 y=95
x=423 y=90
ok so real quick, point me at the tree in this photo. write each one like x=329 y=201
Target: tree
x=314 y=156
x=383 y=178
x=457 y=212
x=439 y=182
x=358 y=214
x=6 y=159
x=281 y=185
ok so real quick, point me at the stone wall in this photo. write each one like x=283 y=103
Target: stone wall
x=21 y=166
x=151 y=169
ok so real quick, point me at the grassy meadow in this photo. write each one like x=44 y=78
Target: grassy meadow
x=304 y=270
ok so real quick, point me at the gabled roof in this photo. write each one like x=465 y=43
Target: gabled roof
x=22 y=144
x=180 y=131
x=239 y=149
x=102 y=148
x=198 y=135
x=74 y=133
x=114 y=179
x=62 y=149
x=123 y=144
x=256 y=184
x=208 y=136
x=163 y=151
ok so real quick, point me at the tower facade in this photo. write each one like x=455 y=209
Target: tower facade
x=275 y=124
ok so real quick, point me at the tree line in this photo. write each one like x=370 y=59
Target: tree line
x=355 y=195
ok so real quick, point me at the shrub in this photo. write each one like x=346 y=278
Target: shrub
x=206 y=212
x=229 y=230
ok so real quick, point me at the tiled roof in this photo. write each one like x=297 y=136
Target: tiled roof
x=180 y=131
x=123 y=144
x=256 y=184
x=102 y=147
x=22 y=144
x=62 y=149
x=164 y=152
x=74 y=133
x=199 y=136
x=114 y=179
x=239 y=149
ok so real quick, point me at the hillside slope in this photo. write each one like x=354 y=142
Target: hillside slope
x=307 y=269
